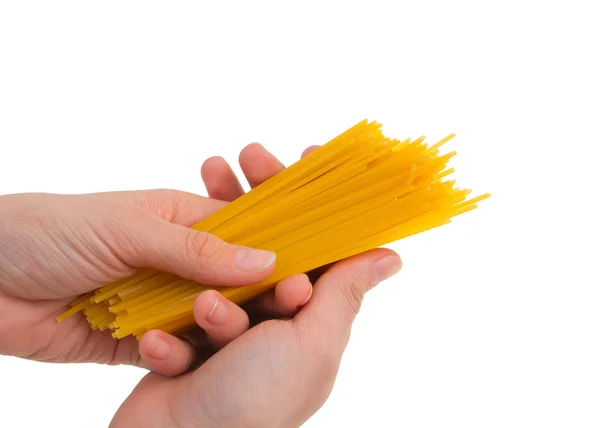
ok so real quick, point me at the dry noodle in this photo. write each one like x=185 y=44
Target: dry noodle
x=357 y=192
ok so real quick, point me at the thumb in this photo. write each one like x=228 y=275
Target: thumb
x=338 y=295
x=194 y=255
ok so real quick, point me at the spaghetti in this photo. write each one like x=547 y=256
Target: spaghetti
x=357 y=192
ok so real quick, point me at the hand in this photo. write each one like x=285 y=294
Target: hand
x=55 y=247
x=278 y=373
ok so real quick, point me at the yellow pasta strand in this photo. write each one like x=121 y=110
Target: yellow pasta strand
x=357 y=192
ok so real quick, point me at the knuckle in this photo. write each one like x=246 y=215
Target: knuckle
x=353 y=297
x=161 y=196
x=160 y=202
x=204 y=248
x=163 y=203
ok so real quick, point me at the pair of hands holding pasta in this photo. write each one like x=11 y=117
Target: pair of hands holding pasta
x=275 y=374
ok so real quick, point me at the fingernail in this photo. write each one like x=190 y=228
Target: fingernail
x=160 y=349
x=248 y=259
x=218 y=313
x=386 y=267
x=305 y=301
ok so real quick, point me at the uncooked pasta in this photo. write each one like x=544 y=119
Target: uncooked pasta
x=360 y=191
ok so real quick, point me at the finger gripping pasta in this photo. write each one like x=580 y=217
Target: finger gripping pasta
x=357 y=192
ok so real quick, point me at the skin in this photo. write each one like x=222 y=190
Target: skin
x=276 y=374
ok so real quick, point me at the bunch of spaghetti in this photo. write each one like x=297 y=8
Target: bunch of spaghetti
x=357 y=192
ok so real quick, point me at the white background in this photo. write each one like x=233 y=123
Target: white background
x=495 y=319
